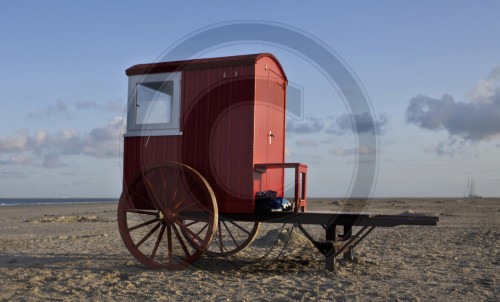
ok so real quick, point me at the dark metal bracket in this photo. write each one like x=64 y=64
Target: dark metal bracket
x=334 y=245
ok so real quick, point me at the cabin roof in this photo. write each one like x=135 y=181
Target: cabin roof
x=172 y=66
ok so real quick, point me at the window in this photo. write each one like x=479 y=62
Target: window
x=154 y=105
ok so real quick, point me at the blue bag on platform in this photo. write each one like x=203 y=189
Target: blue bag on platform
x=266 y=201
x=285 y=204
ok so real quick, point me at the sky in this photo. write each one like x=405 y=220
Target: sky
x=430 y=69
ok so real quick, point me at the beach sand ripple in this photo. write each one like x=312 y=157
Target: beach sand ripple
x=74 y=252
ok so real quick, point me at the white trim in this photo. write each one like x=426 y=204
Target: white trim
x=149 y=132
x=171 y=128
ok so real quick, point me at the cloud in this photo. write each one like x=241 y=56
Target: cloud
x=47 y=150
x=15 y=143
x=17 y=159
x=363 y=123
x=65 y=141
x=429 y=113
x=449 y=148
x=472 y=121
x=487 y=89
x=13 y=174
x=104 y=141
x=65 y=173
x=362 y=150
x=88 y=105
x=452 y=147
x=309 y=125
x=113 y=106
x=52 y=161
x=60 y=108
x=305 y=142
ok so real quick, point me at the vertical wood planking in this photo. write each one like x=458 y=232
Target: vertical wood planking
x=225 y=124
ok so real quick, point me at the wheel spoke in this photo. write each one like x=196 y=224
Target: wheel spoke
x=239 y=239
x=199 y=204
x=157 y=243
x=178 y=203
x=191 y=233
x=148 y=235
x=164 y=185
x=194 y=222
x=220 y=239
x=181 y=241
x=174 y=195
x=230 y=234
x=241 y=228
x=140 y=197
x=202 y=229
x=169 y=236
x=143 y=224
x=142 y=212
x=198 y=219
x=150 y=186
x=164 y=180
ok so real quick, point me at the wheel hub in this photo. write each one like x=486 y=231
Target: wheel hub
x=167 y=217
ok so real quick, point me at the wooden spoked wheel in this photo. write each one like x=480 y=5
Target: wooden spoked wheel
x=230 y=238
x=162 y=206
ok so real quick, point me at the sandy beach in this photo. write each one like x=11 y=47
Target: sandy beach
x=74 y=252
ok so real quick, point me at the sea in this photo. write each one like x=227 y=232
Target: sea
x=32 y=201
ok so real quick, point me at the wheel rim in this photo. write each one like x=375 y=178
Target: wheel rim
x=157 y=211
x=230 y=237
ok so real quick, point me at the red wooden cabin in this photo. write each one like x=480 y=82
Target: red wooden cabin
x=224 y=117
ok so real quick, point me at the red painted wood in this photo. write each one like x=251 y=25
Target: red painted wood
x=228 y=107
x=270 y=116
x=300 y=181
x=205 y=63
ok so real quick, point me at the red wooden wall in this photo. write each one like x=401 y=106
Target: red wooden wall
x=226 y=115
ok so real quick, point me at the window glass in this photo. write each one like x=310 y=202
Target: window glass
x=154 y=103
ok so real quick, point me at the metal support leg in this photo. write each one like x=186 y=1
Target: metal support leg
x=347 y=235
x=330 y=255
x=331 y=232
x=332 y=247
x=330 y=260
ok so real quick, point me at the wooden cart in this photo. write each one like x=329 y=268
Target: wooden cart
x=203 y=138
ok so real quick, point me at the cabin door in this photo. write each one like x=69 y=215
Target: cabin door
x=276 y=133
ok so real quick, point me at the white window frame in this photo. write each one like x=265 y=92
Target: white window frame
x=171 y=128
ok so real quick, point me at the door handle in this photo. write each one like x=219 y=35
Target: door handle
x=271 y=136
